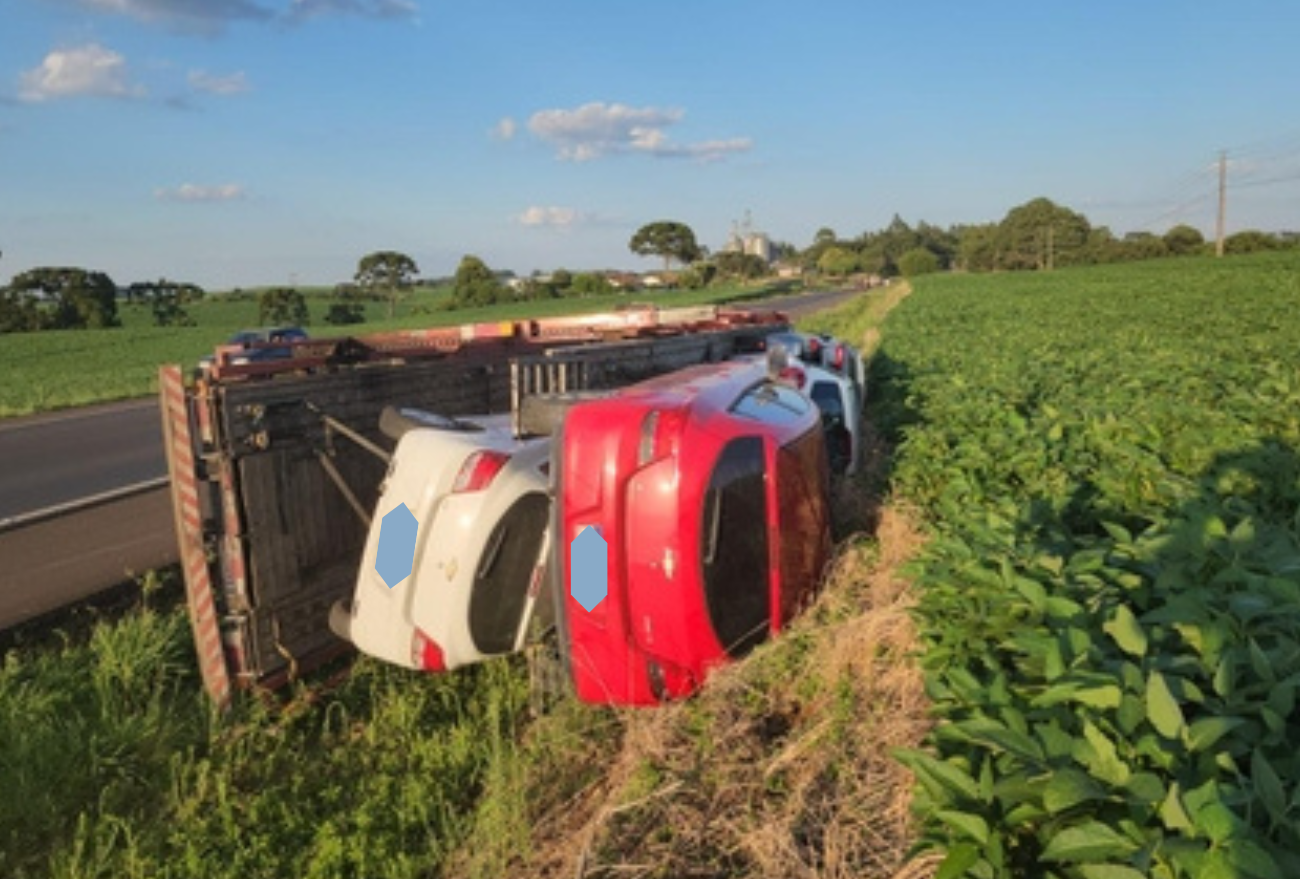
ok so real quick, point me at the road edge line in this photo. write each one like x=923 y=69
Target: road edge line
x=22 y=520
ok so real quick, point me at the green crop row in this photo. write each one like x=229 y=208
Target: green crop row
x=1110 y=601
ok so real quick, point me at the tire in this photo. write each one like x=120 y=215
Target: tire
x=394 y=421
x=541 y=414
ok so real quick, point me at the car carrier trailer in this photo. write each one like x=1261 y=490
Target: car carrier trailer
x=275 y=464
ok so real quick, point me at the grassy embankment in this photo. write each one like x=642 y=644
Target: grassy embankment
x=110 y=764
x=57 y=369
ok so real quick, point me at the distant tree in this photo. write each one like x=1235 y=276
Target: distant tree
x=1183 y=239
x=166 y=299
x=744 y=266
x=1040 y=234
x=1250 y=241
x=387 y=273
x=561 y=281
x=347 y=306
x=1101 y=247
x=1141 y=245
x=837 y=262
x=475 y=284
x=977 y=247
x=784 y=251
x=823 y=240
x=70 y=298
x=699 y=275
x=590 y=284
x=918 y=261
x=943 y=243
x=668 y=239
x=19 y=312
x=282 y=305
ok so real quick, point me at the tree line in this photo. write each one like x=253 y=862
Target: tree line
x=1038 y=235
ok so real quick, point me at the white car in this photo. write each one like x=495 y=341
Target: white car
x=836 y=395
x=456 y=552
x=831 y=373
x=841 y=358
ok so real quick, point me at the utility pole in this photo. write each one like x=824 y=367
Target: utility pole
x=1223 y=202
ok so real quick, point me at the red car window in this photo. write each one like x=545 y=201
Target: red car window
x=733 y=547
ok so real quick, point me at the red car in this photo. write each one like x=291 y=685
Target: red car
x=709 y=489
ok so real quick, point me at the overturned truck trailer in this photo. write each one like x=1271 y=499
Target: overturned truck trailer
x=275 y=464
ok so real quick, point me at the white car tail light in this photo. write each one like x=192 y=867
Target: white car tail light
x=479 y=470
x=838 y=360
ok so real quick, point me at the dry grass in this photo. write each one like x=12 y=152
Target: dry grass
x=781 y=766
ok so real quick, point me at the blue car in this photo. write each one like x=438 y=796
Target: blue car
x=247 y=338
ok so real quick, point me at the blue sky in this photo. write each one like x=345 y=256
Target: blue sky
x=242 y=142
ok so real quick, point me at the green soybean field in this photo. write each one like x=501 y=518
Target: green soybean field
x=1108 y=464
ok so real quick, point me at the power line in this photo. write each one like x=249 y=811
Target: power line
x=1249 y=183
x=1177 y=210
x=1283 y=144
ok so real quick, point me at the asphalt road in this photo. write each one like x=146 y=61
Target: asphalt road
x=802 y=304
x=54 y=458
x=60 y=561
x=60 y=458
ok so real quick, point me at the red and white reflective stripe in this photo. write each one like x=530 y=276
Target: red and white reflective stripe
x=189 y=534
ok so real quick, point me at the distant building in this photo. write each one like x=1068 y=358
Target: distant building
x=745 y=239
x=659 y=280
x=758 y=244
x=623 y=281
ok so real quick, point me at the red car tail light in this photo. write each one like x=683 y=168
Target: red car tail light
x=838 y=360
x=658 y=429
x=793 y=376
x=426 y=654
x=479 y=470
x=814 y=347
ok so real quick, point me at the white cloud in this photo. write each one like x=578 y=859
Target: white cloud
x=193 y=192
x=193 y=15
x=233 y=84
x=504 y=130
x=598 y=129
x=212 y=16
x=562 y=218
x=83 y=70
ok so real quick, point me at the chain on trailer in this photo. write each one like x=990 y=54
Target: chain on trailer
x=272 y=509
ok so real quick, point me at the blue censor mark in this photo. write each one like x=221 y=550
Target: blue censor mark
x=589 y=568
x=396 y=553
